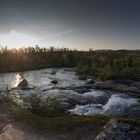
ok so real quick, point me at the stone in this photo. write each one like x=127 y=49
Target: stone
x=10 y=133
x=125 y=82
x=136 y=84
x=112 y=85
x=115 y=130
x=53 y=72
x=83 y=77
x=23 y=84
x=54 y=81
x=90 y=81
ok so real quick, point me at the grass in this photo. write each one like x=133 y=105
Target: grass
x=59 y=123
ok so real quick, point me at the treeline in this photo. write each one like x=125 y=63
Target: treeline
x=105 y=64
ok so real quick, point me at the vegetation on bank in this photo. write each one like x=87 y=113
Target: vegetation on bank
x=50 y=107
x=45 y=121
x=104 y=64
x=52 y=118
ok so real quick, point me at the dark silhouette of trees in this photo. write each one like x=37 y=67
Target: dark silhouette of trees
x=105 y=64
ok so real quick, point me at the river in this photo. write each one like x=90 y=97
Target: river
x=88 y=102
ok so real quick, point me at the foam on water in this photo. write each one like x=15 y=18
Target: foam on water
x=94 y=94
x=116 y=105
x=88 y=109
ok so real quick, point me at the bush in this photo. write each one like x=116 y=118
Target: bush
x=49 y=107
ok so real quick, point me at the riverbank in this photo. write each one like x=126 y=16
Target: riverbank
x=22 y=124
x=69 y=108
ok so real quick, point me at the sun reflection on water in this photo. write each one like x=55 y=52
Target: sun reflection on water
x=19 y=78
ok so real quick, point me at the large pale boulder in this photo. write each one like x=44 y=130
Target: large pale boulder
x=10 y=133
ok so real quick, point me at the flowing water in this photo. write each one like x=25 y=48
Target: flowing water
x=88 y=103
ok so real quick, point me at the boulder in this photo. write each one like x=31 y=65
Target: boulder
x=83 y=77
x=23 y=84
x=136 y=84
x=53 y=72
x=54 y=81
x=90 y=81
x=111 y=85
x=124 y=81
x=115 y=130
x=10 y=133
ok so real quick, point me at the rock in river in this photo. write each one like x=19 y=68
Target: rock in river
x=23 y=83
x=53 y=72
x=54 y=81
x=90 y=81
x=83 y=77
x=112 y=85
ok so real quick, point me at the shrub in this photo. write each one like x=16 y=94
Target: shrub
x=49 y=107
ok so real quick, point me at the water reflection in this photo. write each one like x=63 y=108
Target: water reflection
x=18 y=79
x=39 y=78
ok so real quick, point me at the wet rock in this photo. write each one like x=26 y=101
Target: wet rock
x=90 y=81
x=68 y=69
x=136 y=84
x=54 y=81
x=53 y=72
x=125 y=82
x=112 y=85
x=83 y=77
x=81 y=90
x=10 y=133
x=68 y=96
x=23 y=84
x=115 y=130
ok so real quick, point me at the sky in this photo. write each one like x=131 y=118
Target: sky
x=77 y=24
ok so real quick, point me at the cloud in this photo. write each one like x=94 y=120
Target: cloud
x=57 y=36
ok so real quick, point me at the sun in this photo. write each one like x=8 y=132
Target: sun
x=15 y=39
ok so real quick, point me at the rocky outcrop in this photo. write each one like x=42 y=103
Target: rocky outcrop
x=112 y=85
x=115 y=130
x=23 y=84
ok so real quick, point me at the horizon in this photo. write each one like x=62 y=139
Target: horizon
x=80 y=24
x=69 y=49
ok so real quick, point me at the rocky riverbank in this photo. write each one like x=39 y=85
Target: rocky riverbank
x=83 y=97
x=132 y=88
